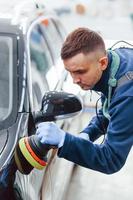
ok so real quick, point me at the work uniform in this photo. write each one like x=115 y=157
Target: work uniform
x=110 y=156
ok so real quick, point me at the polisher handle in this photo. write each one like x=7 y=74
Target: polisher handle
x=42 y=149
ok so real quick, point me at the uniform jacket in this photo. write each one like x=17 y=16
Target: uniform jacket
x=110 y=156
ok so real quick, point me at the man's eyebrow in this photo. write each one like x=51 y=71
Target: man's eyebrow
x=76 y=70
x=79 y=70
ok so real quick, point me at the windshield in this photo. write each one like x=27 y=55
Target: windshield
x=6 y=64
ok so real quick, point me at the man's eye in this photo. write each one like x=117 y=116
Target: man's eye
x=80 y=72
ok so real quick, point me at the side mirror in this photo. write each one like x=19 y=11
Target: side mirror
x=58 y=105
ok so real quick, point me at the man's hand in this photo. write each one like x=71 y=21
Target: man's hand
x=50 y=133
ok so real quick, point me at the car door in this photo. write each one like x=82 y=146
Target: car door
x=39 y=62
x=46 y=72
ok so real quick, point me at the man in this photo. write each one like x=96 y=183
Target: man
x=111 y=73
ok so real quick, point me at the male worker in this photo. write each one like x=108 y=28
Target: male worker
x=111 y=73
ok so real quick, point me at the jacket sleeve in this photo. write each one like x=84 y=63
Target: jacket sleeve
x=97 y=126
x=110 y=156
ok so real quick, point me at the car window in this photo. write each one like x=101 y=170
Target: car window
x=41 y=63
x=54 y=35
x=39 y=51
x=6 y=64
x=39 y=87
x=46 y=64
x=60 y=28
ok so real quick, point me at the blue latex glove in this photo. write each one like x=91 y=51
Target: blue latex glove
x=50 y=133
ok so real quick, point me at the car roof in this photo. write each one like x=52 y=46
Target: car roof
x=7 y=27
x=22 y=15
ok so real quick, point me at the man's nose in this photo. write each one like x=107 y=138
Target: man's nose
x=76 y=80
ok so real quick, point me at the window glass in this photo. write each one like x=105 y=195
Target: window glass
x=41 y=64
x=54 y=38
x=39 y=86
x=60 y=28
x=6 y=65
x=39 y=51
x=46 y=64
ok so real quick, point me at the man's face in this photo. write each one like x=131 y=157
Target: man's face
x=86 y=69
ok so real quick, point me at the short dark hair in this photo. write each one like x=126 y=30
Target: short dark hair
x=82 y=40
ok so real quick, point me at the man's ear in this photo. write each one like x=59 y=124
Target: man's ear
x=103 y=62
